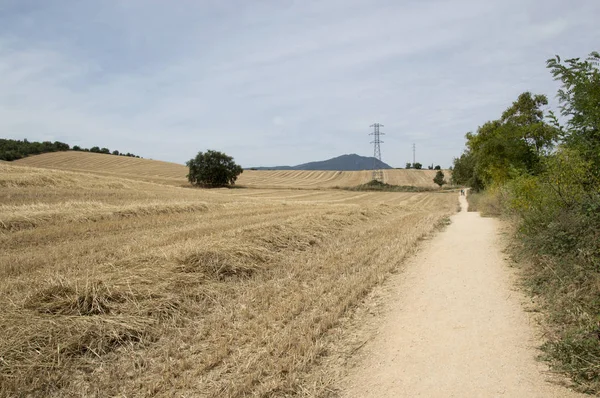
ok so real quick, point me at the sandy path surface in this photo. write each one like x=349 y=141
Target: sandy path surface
x=455 y=326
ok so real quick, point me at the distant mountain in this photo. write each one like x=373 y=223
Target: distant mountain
x=351 y=162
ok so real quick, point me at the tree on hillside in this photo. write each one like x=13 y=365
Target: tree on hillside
x=437 y=167
x=17 y=149
x=439 y=178
x=408 y=165
x=418 y=166
x=213 y=169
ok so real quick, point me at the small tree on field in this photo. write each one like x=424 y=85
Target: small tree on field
x=409 y=165
x=437 y=167
x=439 y=178
x=213 y=169
x=418 y=166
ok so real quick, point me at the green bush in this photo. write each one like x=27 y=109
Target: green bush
x=439 y=178
x=554 y=195
x=213 y=169
x=559 y=230
x=17 y=149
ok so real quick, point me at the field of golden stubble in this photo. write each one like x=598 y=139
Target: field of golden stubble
x=175 y=174
x=116 y=287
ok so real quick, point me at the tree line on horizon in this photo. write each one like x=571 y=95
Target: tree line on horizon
x=17 y=149
x=419 y=166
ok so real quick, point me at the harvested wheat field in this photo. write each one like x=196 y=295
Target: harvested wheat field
x=175 y=174
x=117 y=287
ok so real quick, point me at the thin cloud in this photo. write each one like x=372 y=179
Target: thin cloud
x=276 y=83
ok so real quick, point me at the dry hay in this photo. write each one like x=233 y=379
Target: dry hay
x=133 y=291
x=175 y=174
x=34 y=215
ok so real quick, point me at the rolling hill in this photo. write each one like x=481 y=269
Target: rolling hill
x=105 y=276
x=352 y=162
x=175 y=174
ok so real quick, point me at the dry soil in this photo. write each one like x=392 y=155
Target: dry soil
x=455 y=326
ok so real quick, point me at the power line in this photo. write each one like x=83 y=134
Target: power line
x=377 y=172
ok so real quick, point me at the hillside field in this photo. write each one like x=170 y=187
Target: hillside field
x=118 y=287
x=175 y=174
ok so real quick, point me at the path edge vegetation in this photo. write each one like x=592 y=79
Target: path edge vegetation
x=378 y=186
x=542 y=173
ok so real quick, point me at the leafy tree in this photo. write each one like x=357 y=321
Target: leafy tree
x=439 y=178
x=464 y=172
x=430 y=167
x=512 y=145
x=437 y=167
x=17 y=149
x=60 y=146
x=115 y=152
x=548 y=175
x=418 y=166
x=213 y=169
x=409 y=165
x=579 y=99
x=526 y=118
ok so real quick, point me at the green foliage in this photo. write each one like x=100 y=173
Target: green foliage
x=553 y=191
x=375 y=185
x=503 y=149
x=439 y=178
x=559 y=215
x=17 y=149
x=213 y=169
x=107 y=151
x=579 y=99
x=408 y=165
x=464 y=172
x=417 y=166
x=437 y=167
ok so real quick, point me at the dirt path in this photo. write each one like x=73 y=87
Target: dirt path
x=455 y=326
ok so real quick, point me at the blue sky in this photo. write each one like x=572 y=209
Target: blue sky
x=277 y=82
